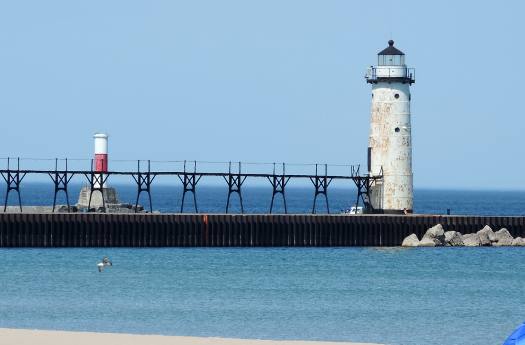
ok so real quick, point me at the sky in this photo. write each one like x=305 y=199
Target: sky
x=264 y=81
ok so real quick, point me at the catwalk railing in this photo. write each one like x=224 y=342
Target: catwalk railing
x=188 y=173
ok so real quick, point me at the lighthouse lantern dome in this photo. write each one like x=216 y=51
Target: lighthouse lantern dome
x=391 y=56
x=390 y=67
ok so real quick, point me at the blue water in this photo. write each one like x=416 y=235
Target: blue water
x=167 y=198
x=393 y=296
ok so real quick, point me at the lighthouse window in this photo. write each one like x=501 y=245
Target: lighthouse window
x=397 y=129
x=396 y=95
x=391 y=60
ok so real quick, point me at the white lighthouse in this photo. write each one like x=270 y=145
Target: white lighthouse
x=390 y=141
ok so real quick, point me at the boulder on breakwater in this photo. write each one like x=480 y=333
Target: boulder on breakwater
x=519 y=242
x=503 y=238
x=486 y=236
x=453 y=239
x=411 y=241
x=471 y=240
x=436 y=236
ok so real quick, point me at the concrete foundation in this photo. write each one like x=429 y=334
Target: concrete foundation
x=109 y=194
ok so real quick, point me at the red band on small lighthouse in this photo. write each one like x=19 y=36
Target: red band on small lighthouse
x=101 y=157
x=101 y=162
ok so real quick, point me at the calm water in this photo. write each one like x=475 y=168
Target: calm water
x=394 y=296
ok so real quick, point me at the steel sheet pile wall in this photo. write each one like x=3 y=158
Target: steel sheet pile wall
x=187 y=230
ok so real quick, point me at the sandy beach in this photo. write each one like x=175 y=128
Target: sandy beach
x=40 y=337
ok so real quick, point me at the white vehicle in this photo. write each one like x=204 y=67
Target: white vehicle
x=354 y=210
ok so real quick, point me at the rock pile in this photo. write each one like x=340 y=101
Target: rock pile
x=436 y=236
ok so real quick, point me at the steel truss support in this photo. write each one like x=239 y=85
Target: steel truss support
x=13 y=179
x=61 y=180
x=144 y=181
x=234 y=181
x=364 y=185
x=189 y=184
x=278 y=185
x=363 y=193
x=321 y=184
x=96 y=181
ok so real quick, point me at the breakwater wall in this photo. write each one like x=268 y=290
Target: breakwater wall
x=221 y=230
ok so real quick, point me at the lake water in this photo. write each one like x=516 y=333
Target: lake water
x=393 y=296
x=167 y=198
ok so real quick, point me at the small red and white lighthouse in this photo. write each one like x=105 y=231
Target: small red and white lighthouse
x=105 y=196
x=101 y=153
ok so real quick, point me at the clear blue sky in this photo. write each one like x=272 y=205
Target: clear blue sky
x=264 y=81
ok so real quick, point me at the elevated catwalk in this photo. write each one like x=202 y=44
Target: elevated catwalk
x=226 y=230
x=144 y=177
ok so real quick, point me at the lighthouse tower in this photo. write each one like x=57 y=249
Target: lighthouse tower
x=390 y=141
x=100 y=195
x=101 y=155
